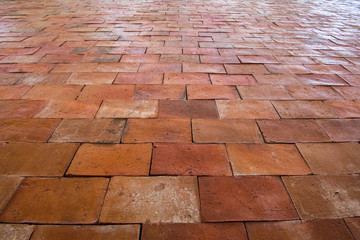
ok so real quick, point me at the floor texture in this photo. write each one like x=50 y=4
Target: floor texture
x=170 y=119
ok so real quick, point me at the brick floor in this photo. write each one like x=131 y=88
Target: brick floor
x=179 y=119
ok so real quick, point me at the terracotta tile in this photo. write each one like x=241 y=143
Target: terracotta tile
x=251 y=198
x=157 y=130
x=287 y=69
x=341 y=130
x=53 y=92
x=110 y=160
x=31 y=68
x=127 y=50
x=316 y=229
x=218 y=59
x=104 y=92
x=325 y=69
x=159 y=92
x=289 y=131
x=257 y=59
x=43 y=78
x=8 y=186
x=266 y=159
x=215 y=45
x=139 y=78
x=27 y=130
x=142 y=199
x=295 y=60
x=209 y=51
x=277 y=79
x=19 y=108
x=69 y=109
x=179 y=58
x=331 y=158
x=322 y=79
x=60 y=58
x=89 y=130
x=225 y=131
x=36 y=159
x=69 y=200
x=75 y=67
x=16 y=231
x=324 y=196
x=211 y=92
x=187 y=109
x=264 y=92
x=100 y=58
x=203 y=68
x=354 y=226
x=223 y=79
x=250 y=109
x=350 y=93
x=313 y=92
x=303 y=109
x=128 y=109
x=246 y=69
x=91 y=78
x=190 y=159
x=116 y=67
x=143 y=58
x=109 y=232
x=208 y=231
x=13 y=92
x=344 y=108
x=186 y=78
x=160 y=67
x=9 y=78
x=353 y=80
x=164 y=50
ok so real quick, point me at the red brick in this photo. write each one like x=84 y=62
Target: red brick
x=36 y=159
x=187 y=109
x=246 y=69
x=186 y=78
x=289 y=131
x=303 y=109
x=190 y=159
x=91 y=78
x=203 y=68
x=13 y=92
x=211 y=92
x=250 y=198
x=160 y=67
x=159 y=92
x=69 y=200
x=53 y=92
x=223 y=79
x=208 y=231
x=264 y=92
x=139 y=78
x=20 y=108
x=104 y=92
x=225 y=131
x=110 y=160
x=341 y=130
x=157 y=130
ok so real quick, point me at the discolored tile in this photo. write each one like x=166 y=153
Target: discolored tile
x=187 y=109
x=128 y=109
x=16 y=231
x=159 y=92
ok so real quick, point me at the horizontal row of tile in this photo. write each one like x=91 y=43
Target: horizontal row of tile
x=347 y=229
x=58 y=159
x=177 y=199
x=179 y=130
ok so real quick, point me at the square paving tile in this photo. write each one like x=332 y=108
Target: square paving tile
x=251 y=198
x=128 y=109
x=56 y=200
x=142 y=200
x=325 y=196
x=111 y=159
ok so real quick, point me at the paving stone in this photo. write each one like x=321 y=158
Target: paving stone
x=53 y=92
x=20 y=108
x=313 y=92
x=190 y=159
x=315 y=229
x=246 y=69
x=264 y=92
x=345 y=108
x=341 y=130
x=331 y=158
x=36 y=159
x=211 y=92
x=354 y=226
x=159 y=92
x=223 y=79
x=250 y=109
x=191 y=231
x=324 y=196
x=157 y=130
x=187 y=109
x=251 y=198
x=16 y=231
x=139 y=78
x=104 y=92
x=109 y=232
x=142 y=200
x=292 y=130
x=69 y=200
x=13 y=92
x=69 y=109
x=128 y=109
x=110 y=160
x=266 y=159
x=27 y=130
x=303 y=109
x=8 y=186
x=91 y=78
x=322 y=79
x=225 y=131
x=186 y=78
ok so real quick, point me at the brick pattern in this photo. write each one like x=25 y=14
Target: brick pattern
x=179 y=119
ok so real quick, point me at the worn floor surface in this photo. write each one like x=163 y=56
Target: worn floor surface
x=159 y=119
